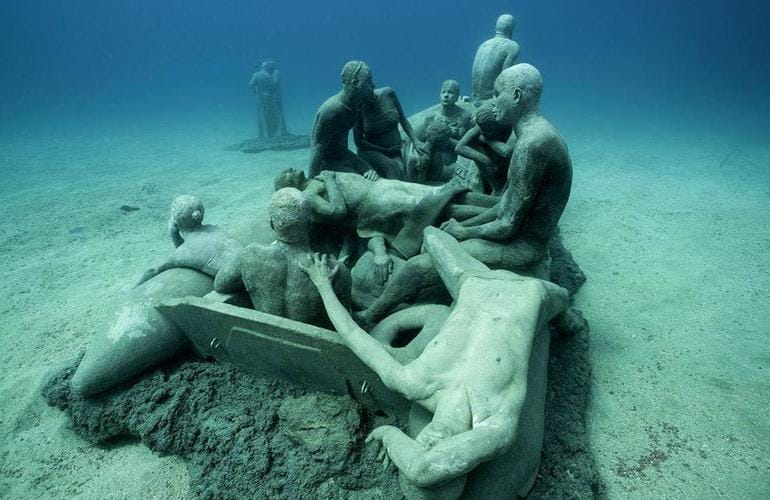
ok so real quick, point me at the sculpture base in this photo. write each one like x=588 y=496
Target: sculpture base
x=279 y=143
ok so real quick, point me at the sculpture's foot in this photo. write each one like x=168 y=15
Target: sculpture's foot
x=570 y=322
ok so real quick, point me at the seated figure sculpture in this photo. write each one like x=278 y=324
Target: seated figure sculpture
x=492 y=57
x=516 y=232
x=481 y=377
x=437 y=165
x=203 y=247
x=334 y=120
x=489 y=145
x=269 y=273
x=377 y=137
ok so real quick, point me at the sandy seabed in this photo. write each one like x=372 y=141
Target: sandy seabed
x=673 y=233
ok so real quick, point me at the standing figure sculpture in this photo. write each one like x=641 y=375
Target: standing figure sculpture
x=437 y=166
x=516 y=232
x=377 y=137
x=334 y=120
x=492 y=57
x=266 y=84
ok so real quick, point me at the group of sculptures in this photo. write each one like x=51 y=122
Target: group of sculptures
x=395 y=238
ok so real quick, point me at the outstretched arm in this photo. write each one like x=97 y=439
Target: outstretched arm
x=154 y=271
x=366 y=348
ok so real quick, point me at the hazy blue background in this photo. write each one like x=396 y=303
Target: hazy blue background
x=611 y=65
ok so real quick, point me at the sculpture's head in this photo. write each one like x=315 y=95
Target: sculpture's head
x=290 y=178
x=450 y=92
x=438 y=131
x=486 y=119
x=269 y=66
x=187 y=211
x=505 y=25
x=517 y=91
x=289 y=214
x=357 y=80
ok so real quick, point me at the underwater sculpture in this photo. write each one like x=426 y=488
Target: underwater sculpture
x=138 y=337
x=377 y=137
x=437 y=166
x=268 y=273
x=203 y=247
x=266 y=84
x=515 y=233
x=489 y=144
x=492 y=57
x=389 y=213
x=485 y=392
x=334 y=120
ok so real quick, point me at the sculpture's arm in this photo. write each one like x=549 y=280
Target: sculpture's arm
x=504 y=149
x=383 y=263
x=451 y=457
x=173 y=232
x=510 y=58
x=365 y=347
x=318 y=145
x=228 y=279
x=154 y=271
x=253 y=82
x=465 y=150
x=524 y=178
x=406 y=125
x=359 y=138
x=334 y=208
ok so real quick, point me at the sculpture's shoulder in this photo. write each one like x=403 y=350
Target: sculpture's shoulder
x=331 y=106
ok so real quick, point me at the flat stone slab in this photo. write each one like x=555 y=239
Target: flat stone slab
x=275 y=347
x=280 y=143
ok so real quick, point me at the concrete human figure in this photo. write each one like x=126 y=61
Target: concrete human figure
x=334 y=120
x=515 y=233
x=203 y=247
x=269 y=272
x=481 y=378
x=377 y=136
x=489 y=145
x=459 y=121
x=492 y=57
x=388 y=213
x=266 y=84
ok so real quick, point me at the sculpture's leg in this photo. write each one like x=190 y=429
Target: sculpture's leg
x=452 y=262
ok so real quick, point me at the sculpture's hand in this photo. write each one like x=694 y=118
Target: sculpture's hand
x=327 y=175
x=377 y=437
x=371 y=175
x=383 y=267
x=455 y=229
x=317 y=268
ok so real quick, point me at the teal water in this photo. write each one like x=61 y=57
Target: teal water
x=666 y=111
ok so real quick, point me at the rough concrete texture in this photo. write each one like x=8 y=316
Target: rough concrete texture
x=244 y=437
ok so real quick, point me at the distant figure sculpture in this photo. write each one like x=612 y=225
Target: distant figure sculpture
x=489 y=144
x=269 y=272
x=334 y=120
x=492 y=57
x=515 y=233
x=481 y=378
x=437 y=166
x=199 y=246
x=266 y=84
x=377 y=137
